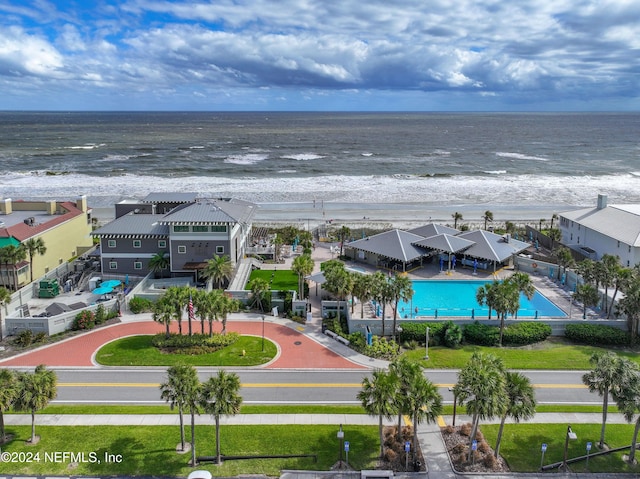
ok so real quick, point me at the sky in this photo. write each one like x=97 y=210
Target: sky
x=320 y=55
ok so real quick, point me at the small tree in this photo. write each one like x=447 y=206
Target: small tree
x=5 y=297
x=376 y=396
x=220 y=396
x=587 y=295
x=34 y=246
x=521 y=402
x=159 y=262
x=8 y=394
x=35 y=390
x=218 y=269
x=456 y=217
x=180 y=390
x=487 y=217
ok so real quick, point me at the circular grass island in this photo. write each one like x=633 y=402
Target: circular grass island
x=140 y=351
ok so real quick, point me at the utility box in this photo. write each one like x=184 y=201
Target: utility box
x=48 y=288
x=94 y=283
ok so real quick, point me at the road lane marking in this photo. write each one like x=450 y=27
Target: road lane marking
x=288 y=385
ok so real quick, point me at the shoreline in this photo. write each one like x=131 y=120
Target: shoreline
x=311 y=214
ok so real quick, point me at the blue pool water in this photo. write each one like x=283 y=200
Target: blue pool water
x=458 y=298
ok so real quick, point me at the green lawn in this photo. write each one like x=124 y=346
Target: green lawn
x=138 y=351
x=150 y=451
x=521 y=445
x=244 y=409
x=279 y=280
x=547 y=355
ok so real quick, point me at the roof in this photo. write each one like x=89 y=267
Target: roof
x=491 y=246
x=620 y=222
x=161 y=197
x=433 y=229
x=445 y=242
x=212 y=212
x=22 y=231
x=395 y=244
x=131 y=224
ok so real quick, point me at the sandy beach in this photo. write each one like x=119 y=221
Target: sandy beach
x=309 y=215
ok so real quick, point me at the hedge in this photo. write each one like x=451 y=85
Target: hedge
x=194 y=344
x=596 y=334
x=481 y=334
x=520 y=334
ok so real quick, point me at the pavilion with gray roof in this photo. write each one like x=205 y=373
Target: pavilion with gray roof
x=389 y=249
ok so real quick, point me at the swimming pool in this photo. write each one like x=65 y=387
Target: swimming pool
x=458 y=298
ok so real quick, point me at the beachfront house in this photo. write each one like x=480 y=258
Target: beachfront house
x=603 y=229
x=63 y=226
x=186 y=229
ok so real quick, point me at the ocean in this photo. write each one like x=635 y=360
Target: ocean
x=521 y=163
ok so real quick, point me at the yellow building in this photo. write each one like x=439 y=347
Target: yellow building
x=63 y=226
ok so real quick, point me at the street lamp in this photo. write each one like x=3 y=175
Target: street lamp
x=341 y=438
x=426 y=343
x=263 y=333
x=570 y=435
x=455 y=403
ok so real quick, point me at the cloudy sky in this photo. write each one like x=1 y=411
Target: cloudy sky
x=432 y=55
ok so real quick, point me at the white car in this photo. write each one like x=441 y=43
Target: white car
x=199 y=475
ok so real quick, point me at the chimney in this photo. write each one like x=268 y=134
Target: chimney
x=6 y=206
x=507 y=238
x=50 y=207
x=602 y=202
x=81 y=203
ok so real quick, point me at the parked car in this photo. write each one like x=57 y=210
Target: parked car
x=199 y=475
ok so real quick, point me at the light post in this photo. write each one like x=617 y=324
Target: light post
x=341 y=438
x=570 y=435
x=263 y=333
x=426 y=343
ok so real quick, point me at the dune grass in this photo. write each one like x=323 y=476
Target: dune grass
x=138 y=351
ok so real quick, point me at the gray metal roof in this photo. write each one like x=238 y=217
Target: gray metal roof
x=620 y=222
x=433 y=229
x=395 y=244
x=170 y=197
x=491 y=246
x=134 y=225
x=445 y=242
x=212 y=212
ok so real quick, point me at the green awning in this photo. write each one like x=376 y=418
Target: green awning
x=8 y=241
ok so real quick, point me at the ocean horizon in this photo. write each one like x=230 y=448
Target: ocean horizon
x=517 y=162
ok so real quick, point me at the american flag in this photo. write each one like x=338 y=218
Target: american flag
x=192 y=315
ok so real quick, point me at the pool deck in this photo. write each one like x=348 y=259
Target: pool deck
x=553 y=291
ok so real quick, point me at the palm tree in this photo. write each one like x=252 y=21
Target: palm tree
x=225 y=305
x=5 y=297
x=218 y=269
x=8 y=393
x=13 y=255
x=522 y=282
x=377 y=395
x=343 y=233
x=163 y=313
x=521 y=404
x=303 y=266
x=555 y=235
x=277 y=243
x=401 y=287
x=503 y=297
x=622 y=280
x=628 y=401
x=456 y=217
x=159 y=262
x=588 y=295
x=554 y=217
x=485 y=295
x=487 y=217
x=564 y=259
x=630 y=306
x=35 y=390
x=586 y=268
x=178 y=297
x=362 y=290
x=382 y=294
x=481 y=387
x=220 y=397
x=608 y=374
x=34 y=246
x=610 y=265
x=182 y=385
x=425 y=404
x=259 y=289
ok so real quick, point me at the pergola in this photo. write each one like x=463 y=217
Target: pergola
x=396 y=245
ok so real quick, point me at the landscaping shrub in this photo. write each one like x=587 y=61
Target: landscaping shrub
x=418 y=331
x=140 y=305
x=451 y=335
x=526 y=333
x=84 y=320
x=596 y=334
x=481 y=334
x=40 y=337
x=194 y=344
x=24 y=338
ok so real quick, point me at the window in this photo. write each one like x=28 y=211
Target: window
x=137 y=243
x=137 y=265
x=219 y=229
x=180 y=229
x=200 y=229
x=618 y=244
x=111 y=243
x=182 y=249
x=219 y=249
x=162 y=243
x=113 y=265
